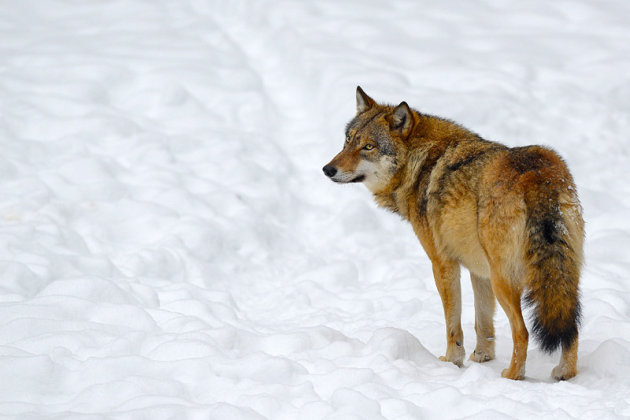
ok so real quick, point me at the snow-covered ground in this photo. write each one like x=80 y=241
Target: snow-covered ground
x=169 y=247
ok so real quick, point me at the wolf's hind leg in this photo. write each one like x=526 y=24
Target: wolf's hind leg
x=446 y=275
x=567 y=368
x=509 y=298
x=484 y=322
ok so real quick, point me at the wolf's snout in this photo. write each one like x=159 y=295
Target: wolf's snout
x=330 y=171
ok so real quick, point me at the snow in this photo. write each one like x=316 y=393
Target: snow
x=169 y=247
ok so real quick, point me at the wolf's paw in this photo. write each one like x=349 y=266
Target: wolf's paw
x=562 y=373
x=455 y=355
x=481 y=356
x=458 y=363
x=515 y=374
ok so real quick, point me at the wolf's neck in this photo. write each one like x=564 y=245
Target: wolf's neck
x=400 y=195
x=429 y=140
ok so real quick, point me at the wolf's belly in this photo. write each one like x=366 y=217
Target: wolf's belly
x=459 y=236
x=475 y=262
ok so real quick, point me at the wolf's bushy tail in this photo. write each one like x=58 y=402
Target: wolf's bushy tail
x=553 y=253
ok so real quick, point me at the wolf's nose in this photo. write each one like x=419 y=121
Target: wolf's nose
x=330 y=170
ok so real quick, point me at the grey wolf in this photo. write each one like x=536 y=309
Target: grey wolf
x=511 y=216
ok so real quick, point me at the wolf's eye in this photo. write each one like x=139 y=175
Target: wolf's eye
x=368 y=147
x=348 y=140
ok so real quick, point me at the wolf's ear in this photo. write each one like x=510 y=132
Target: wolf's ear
x=364 y=102
x=402 y=118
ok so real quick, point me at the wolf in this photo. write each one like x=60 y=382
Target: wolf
x=510 y=215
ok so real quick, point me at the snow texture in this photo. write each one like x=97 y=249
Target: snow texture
x=169 y=247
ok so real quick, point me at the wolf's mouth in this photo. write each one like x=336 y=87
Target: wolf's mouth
x=358 y=178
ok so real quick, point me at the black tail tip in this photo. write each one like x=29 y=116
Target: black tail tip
x=549 y=341
x=550 y=335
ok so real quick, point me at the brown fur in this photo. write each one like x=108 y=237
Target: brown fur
x=511 y=216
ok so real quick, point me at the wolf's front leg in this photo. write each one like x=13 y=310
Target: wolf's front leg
x=484 y=323
x=446 y=273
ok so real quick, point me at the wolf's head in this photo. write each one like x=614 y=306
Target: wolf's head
x=374 y=146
